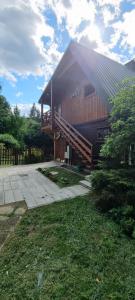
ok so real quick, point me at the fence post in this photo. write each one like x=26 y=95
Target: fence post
x=16 y=157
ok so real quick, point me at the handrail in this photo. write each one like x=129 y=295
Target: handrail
x=74 y=137
x=74 y=142
x=76 y=131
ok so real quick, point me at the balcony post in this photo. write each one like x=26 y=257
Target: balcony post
x=42 y=111
x=52 y=108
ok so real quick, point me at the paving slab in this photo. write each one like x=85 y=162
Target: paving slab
x=4 y=218
x=6 y=210
x=1 y=197
x=86 y=184
x=9 y=196
x=26 y=183
x=19 y=211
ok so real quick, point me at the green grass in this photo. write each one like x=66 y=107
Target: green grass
x=67 y=251
x=63 y=178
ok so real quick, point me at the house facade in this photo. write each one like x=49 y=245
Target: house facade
x=77 y=95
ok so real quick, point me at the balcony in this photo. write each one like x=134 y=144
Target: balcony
x=47 y=124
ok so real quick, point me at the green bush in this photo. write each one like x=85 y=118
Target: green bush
x=106 y=201
x=9 y=141
x=131 y=197
x=127 y=225
x=120 y=183
x=114 y=192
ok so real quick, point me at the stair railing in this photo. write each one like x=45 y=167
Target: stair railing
x=74 y=137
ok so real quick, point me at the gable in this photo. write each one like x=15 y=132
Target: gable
x=103 y=73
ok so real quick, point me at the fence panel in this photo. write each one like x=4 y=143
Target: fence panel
x=14 y=157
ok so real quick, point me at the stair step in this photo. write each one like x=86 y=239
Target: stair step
x=77 y=141
x=86 y=184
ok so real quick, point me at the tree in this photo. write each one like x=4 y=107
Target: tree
x=16 y=111
x=33 y=136
x=9 y=141
x=5 y=115
x=34 y=112
x=17 y=124
x=120 y=144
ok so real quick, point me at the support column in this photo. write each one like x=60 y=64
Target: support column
x=54 y=136
x=42 y=111
x=52 y=107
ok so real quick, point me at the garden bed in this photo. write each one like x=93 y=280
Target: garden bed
x=61 y=176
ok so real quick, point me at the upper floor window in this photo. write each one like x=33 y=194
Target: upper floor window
x=76 y=93
x=88 y=89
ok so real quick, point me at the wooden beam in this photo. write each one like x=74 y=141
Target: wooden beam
x=42 y=111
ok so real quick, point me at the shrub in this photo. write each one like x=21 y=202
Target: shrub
x=114 y=192
x=131 y=197
x=127 y=225
x=106 y=201
x=118 y=182
x=9 y=141
x=35 y=156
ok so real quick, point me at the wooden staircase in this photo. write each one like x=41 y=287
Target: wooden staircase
x=78 y=142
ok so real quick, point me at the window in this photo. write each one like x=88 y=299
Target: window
x=102 y=132
x=88 y=89
x=76 y=93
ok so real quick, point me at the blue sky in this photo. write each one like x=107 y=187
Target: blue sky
x=35 y=33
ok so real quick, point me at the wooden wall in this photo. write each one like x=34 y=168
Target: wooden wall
x=80 y=109
x=60 y=148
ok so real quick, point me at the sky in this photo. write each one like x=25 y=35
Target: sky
x=35 y=33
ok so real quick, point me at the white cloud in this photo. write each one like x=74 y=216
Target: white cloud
x=22 y=27
x=19 y=94
x=73 y=13
x=92 y=32
x=40 y=88
x=25 y=108
x=107 y=15
x=124 y=31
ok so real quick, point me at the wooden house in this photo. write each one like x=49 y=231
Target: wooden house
x=78 y=95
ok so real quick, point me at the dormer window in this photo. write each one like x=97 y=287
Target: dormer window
x=88 y=90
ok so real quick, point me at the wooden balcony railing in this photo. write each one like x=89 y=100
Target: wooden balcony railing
x=47 y=119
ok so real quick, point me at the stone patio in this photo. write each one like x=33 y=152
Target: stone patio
x=26 y=183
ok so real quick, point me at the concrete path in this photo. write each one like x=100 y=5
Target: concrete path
x=26 y=183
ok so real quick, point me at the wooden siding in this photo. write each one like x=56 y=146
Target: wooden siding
x=90 y=132
x=60 y=148
x=82 y=109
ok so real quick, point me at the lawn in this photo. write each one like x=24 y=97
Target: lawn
x=62 y=177
x=67 y=251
